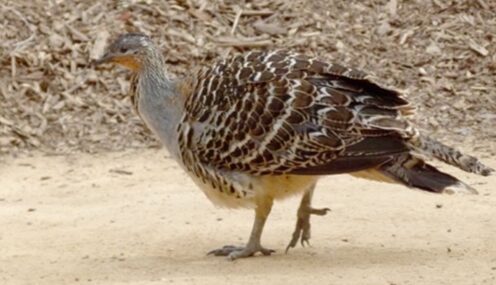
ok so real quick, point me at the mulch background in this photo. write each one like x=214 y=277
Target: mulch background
x=442 y=52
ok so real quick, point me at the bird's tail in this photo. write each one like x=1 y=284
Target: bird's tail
x=414 y=172
x=433 y=148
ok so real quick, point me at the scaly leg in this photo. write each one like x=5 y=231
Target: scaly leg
x=302 y=230
x=264 y=205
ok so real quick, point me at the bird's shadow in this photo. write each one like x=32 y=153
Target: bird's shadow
x=361 y=256
x=297 y=260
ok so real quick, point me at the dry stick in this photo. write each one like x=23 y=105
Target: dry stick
x=257 y=12
x=89 y=11
x=477 y=48
x=236 y=21
x=160 y=11
x=68 y=93
x=77 y=34
x=238 y=43
x=483 y=4
x=203 y=6
x=22 y=44
x=13 y=66
x=242 y=42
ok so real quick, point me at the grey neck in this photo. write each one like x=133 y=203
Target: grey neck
x=154 y=74
x=159 y=103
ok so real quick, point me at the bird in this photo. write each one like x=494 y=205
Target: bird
x=263 y=125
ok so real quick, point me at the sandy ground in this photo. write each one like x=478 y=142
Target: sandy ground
x=135 y=218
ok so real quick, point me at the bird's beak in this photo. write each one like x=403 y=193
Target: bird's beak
x=107 y=57
x=124 y=60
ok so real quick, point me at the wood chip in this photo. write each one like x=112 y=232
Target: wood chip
x=268 y=28
x=99 y=44
x=478 y=48
x=391 y=7
x=257 y=12
x=236 y=21
x=234 y=42
x=433 y=49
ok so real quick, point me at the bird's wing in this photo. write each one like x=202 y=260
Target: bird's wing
x=280 y=112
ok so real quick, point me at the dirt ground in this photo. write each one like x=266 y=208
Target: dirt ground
x=126 y=214
x=135 y=218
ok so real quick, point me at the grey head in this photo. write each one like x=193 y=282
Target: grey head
x=129 y=50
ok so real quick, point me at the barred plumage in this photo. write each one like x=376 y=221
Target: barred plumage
x=284 y=113
x=267 y=124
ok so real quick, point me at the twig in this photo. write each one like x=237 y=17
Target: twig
x=77 y=34
x=477 y=48
x=24 y=43
x=241 y=43
x=257 y=12
x=236 y=21
x=483 y=4
x=13 y=66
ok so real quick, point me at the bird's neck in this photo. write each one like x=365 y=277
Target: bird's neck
x=159 y=102
x=154 y=78
x=156 y=84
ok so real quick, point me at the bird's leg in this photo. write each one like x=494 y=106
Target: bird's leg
x=302 y=230
x=264 y=205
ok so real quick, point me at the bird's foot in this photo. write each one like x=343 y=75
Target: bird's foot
x=235 y=252
x=302 y=230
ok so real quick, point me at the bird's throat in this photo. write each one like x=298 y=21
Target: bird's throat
x=160 y=106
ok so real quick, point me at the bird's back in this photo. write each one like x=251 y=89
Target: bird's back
x=279 y=112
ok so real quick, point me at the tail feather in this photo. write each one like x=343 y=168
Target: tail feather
x=449 y=155
x=414 y=172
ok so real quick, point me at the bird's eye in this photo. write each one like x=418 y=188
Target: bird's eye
x=123 y=50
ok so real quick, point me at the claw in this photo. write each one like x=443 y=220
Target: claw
x=235 y=252
x=302 y=230
x=225 y=250
x=303 y=241
x=265 y=251
x=253 y=246
x=287 y=248
x=319 y=212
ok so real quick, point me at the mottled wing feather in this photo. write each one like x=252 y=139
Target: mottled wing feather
x=280 y=112
x=368 y=153
x=133 y=92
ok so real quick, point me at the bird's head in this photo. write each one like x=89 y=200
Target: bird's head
x=128 y=50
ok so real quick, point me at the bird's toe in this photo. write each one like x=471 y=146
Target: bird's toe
x=225 y=250
x=235 y=252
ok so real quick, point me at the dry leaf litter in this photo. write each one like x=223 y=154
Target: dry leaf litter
x=51 y=98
